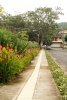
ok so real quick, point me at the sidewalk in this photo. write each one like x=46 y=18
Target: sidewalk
x=45 y=88
x=40 y=85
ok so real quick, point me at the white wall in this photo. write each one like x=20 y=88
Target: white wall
x=55 y=45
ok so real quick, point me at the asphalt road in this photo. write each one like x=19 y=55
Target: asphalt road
x=60 y=56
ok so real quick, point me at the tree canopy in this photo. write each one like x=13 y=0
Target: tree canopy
x=40 y=24
x=43 y=21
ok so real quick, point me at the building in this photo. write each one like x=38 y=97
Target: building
x=58 y=40
x=63 y=33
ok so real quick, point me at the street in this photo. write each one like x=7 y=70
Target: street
x=60 y=56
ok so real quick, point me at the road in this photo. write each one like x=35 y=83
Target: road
x=60 y=56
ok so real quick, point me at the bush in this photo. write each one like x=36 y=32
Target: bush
x=9 y=64
x=12 y=64
x=21 y=46
x=5 y=37
x=29 y=55
x=20 y=41
x=32 y=45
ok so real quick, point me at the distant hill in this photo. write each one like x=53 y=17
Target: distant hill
x=63 y=25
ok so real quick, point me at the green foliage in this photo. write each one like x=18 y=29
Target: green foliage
x=18 y=50
x=32 y=45
x=20 y=41
x=5 y=37
x=59 y=76
x=9 y=65
x=48 y=40
x=12 y=64
x=29 y=55
x=62 y=25
x=33 y=36
x=42 y=20
x=21 y=46
x=65 y=38
x=13 y=23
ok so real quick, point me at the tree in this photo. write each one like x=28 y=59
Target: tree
x=1 y=14
x=43 y=21
x=39 y=24
x=13 y=23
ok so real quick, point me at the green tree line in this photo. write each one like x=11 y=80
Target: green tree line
x=40 y=24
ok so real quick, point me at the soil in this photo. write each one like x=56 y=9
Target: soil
x=9 y=91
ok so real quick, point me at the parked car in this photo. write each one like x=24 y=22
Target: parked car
x=46 y=47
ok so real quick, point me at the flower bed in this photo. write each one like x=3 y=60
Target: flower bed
x=12 y=64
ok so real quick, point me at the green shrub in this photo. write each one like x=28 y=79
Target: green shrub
x=12 y=64
x=5 y=37
x=9 y=65
x=20 y=41
x=32 y=45
x=29 y=55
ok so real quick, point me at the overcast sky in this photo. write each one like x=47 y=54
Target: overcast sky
x=20 y=6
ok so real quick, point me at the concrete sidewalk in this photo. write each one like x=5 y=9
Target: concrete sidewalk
x=40 y=85
x=45 y=88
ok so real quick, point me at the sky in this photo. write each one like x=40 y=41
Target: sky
x=21 y=6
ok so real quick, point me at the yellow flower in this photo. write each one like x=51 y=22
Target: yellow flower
x=4 y=51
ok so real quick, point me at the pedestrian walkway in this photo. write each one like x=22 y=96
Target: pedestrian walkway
x=45 y=88
x=40 y=85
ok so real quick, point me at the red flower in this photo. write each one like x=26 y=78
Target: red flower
x=0 y=46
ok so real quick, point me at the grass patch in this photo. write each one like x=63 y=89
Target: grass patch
x=58 y=75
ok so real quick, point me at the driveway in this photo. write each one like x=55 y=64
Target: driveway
x=60 y=56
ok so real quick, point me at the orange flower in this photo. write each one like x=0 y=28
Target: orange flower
x=11 y=50
x=0 y=47
x=0 y=51
x=3 y=49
